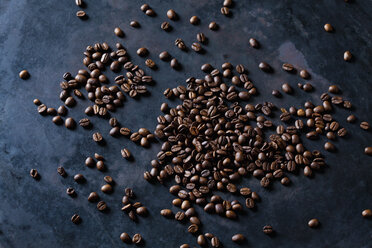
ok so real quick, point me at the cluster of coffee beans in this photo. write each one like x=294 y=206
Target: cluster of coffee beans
x=132 y=209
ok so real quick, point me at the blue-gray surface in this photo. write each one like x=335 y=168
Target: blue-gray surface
x=46 y=38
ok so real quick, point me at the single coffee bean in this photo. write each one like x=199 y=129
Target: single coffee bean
x=118 y=32
x=107 y=189
x=333 y=89
x=304 y=74
x=368 y=150
x=150 y=63
x=62 y=110
x=70 y=123
x=194 y=20
x=227 y=3
x=125 y=131
x=276 y=93
x=79 y=178
x=81 y=14
x=164 y=56
x=98 y=156
x=137 y=238
x=108 y=180
x=225 y=11
x=265 y=67
x=364 y=125
x=313 y=223
x=134 y=24
x=268 y=229
x=100 y=165
x=34 y=173
x=307 y=171
x=93 y=197
x=142 y=211
x=115 y=131
x=145 y=7
x=24 y=74
x=238 y=238
x=57 y=120
x=254 y=43
x=70 y=191
x=70 y=101
x=125 y=238
x=166 y=213
x=201 y=38
x=288 y=67
x=213 y=26
x=113 y=122
x=287 y=88
x=328 y=27
x=201 y=240
x=89 y=110
x=76 y=219
x=342 y=132
x=196 y=47
x=174 y=63
x=150 y=12
x=125 y=153
x=215 y=242
x=85 y=122
x=165 y=26
x=37 y=102
x=285 y=181
x=115 y=66
x=367 y=213
x=328 y=146
x=101 y=206
x=171 y=14
x=308 y=87
x=79 y=3
x=142 y=51
x=97 y=137
x=348 y=56
x=61 y=171
x=89 y=161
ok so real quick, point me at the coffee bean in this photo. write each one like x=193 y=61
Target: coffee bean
x=100 y=165
x=367 y=213
x=115 y=66
x=285 y=181
x=227 y=3
x=201 y=38
x=201 y=240
x=225 y=11
x=101 y=206
x=70 y=101
x=164 y=56
x=171 y=14
x=113 y=122
x=348 y=56
x=70 y=191
x=313 y=223
x=194 y=20
x=249 y=203
x=70 y=123
x=62 y=110
x=308 y=87
x=125 y=153
x=333 y=89
x=125 y=131
x=276 y=93
x=118 y=32
x=145 y=7
x=265 y=67
x=287 y=88
x=125 y=238
x=89 y=110
x=61 y=171
x=307 y=171
x=215 y=242
x=115 y=131
x=254 y=43
x=76 y=219
x=134 y=24
x=37 y=102
x=304 y=74
x=142 y=51
x=238 y=238
x=42 y=109
x=174 y=63
x=364 y=125
x=166 y=213
x=288 y=67
x=329 y=147
x=213 y=26
x=85 y=122
x=93 y=197
x=107 y=189
x=24 y=74
x=79 y=178
x=89 y=161
x=97 y=137
x=81 y=14
x=342 y=132
x=137 y=238
x=150 y=63
x=34 y=173
x=196 y=47
x=165 y=26
x=328 y=27
x=268 y=229
x=79 y=3
x=57 y=120
x=368 y=150
x=150 y=12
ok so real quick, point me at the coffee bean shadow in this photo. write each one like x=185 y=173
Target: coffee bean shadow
x=83 y=5
x=141 y=244
x=103 y=142
x=202 y=51
x=272 y=235
x=86 y=17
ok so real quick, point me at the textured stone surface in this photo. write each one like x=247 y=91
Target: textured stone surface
x=47 y=39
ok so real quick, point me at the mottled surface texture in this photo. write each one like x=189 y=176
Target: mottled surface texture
x=47 y=39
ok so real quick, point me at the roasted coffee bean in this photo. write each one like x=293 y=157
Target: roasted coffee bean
x=227 y=3
x=164 y=56
x=101 y=206
x=115 y=131
x=24 y=74
x=201 y=38
x=113 y=122
x=137 y=238
x=70 y=123
x=215 y=242
x=238 y=238
x=201 y=240
x=115 y=66
x=142 y=51
x=125 y=153
x=97 y=137
x=165 y=26
x=85 y=122
x=76 y=219
x=285 y=181
x=288 y=67
x=70 y=101
x=194 y=20
x=150 y=63
x=89 y=110
x=119 y=32
x=93 y=197
x=171 y=14
x=313 y=223
x=89 y=161
x=304 y=74
x=329 y=147
x=62 y=110
x=328 y=27
x=37 y=102
x=367 y=213
x=34 y=173
x=225 y=11
x=268 y=229
x=125 y=238
x=265 y=67
x=174 y=63
x=196 y=47
x=254 y=43
x=125 y=131
x=70 y=191
x=364 y=125
x=61 y=171
x=145 y=7
x=308 y=87
x=134 y=24
x=57 y=120
x=107 y=188
x=81 y=14
x=166 y=213
x=342 y=132
x=287 y=88
x=276 y=93
x=150 y=12
x=213 y=26
x=100 y=165
x=333 y=89
x=348 y=56
x=79 y=178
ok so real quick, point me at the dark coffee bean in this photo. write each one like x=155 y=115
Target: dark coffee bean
x=225 y=11
x=215 y=242
x=276 y=93
x=62 y=110
x=97 y=137
x=34 y=173
x=81 y=14
x=329 y=147
x=287 y=88
x=285 y=116
x=85 y=122
x=333 y=89
x=307 y=171
x=285 y=181
x=171 y=14
x=268 y=229
x=238 y=238
x=70 y=191
x=254 y=43
x=113 y=122
x=125 y=238
x=101 y=206
x=194 y=20
x=118 y=32
x=351 y=118
x=70 y=101
x=348 y=56
x=89 y=161
x=37 y=102
x=125 y=131
x=328 y=27
x=125 y=153
x=331 y=135
x=201 y=240
x=150 y=63
x=100 y=166
x=142 y=211
x=201 y=38
x=115 y=131
x=93 y=197
x=308 y=87
x=70 y=123
x=364 y=125
x=166 y=213
x=227 y=3
x=165 y=26
x=150 y=12
x=98 y=156
x=367 y=213
x=145 y=7
x=79 y=3
x=164 y=56
x=24 y=74
x=265 y=67
x=61 y=171
x=79 y=178
x=76 y=219
x=304 y=74
x=137 y=238
x=57 y=120
x=313 y=223
x=89 y=110
x=368 y=150
x=342 y=132
x=213 y=26
x=174 y=63
x=42 y=109
x=107 y=189
x=134 y=24
x=196 y=47
x=115 y=66
x=142 y=51
x=288 y=67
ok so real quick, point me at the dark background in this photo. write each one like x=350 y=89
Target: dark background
x=47 y=39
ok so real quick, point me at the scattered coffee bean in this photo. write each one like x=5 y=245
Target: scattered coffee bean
x=351 y=118
x=268 y=230
x=150 y=12
x=313 y=223
x=70 y=101
x=97 y=137
x=348 y=56
x=196 y=47
x=101 y=206
x=364 y=125
x=213 y=26
x=288 y=67
x=142 y=51
x=265 y=67
x=201 y=38
x=164 y=56
x=57 y=120
x=134 y=24
x=34 y=173
x=174 y=63
x=145 y=7
x=171 y=14
x=125 y=238
x=85 y=122
x=201 y=240
x=165 y=26
x=333 y=89
x=238 y=238
x=93 y=197
x=79 y=3
x=70 y=191
x=304 y=74
x=328 y=27
x=107 y=189
x=125 y=153
x=70 y=123
x=76 y=219
x=137 y=238
x=61 y=171
x=81 y=14
x=215 y=242
x=24 y=74
x=166 y=213
x=150 y=63
x=287 y=88
x=79 y=178
x=368 y=150
x=100 y=165
x=367 y=213
x=194 y=20
x=328 y=146
x=225 y=11
x=254 y=43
